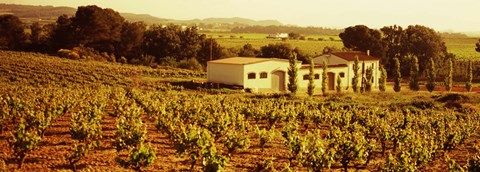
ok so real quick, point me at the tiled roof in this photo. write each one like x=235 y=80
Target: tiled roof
x=350 y=56
x=321 y=66
x=245 y=60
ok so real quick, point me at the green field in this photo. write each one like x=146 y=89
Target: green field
x=464 y=48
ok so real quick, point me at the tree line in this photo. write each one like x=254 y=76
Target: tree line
x=286 y=29
x=103 y=34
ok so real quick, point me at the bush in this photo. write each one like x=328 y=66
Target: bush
x=191 y=64
x=68 y=54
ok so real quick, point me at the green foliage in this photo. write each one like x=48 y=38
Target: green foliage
x=139 y=158
x=356 y=75
x=317 y=156
x=12 y=34
x=292 y=74
x=369 y=79
x=362 y=38
x=191 y=64
x=294 y=142
x=468 y=85
x=449 y=78
x=478 y=46
x=431 y=75
x=339 y=84
x=413 y=84
x=383 y=79
x=23 y=141
x=311 y=77
x=265 y=136
x=86 y=130
x=130 y=129
x=397 y=75
x=324 y=77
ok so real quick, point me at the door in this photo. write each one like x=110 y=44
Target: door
x=331 y=80
x=278 y=81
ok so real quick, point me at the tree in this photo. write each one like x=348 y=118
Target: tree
x=424 y=43
x=431 y=76
x=356 y=67
x=293 y=35
x=362 y=38
x=97 y=28
x=324 y=77
x=478 y=46
x=449 y=77
x=292 y=74
x=278 y=50
x=413 y=84
x=468 y=85
x=132 y=36
x=12 y=34
x=339 y=84
x=393 y=37
x=209 y=47
x=368 y=79
x=397 y=75
x=383 y=79
x=311 y=76
x=248 y=51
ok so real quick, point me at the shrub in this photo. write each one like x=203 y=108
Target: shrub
x=191 y=64
x=468 y=85
x=413 y=84
x=292 y=74
x=355 y=75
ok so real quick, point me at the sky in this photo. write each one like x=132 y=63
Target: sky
x=442 y=15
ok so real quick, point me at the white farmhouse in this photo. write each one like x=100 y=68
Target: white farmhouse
x=270 y=74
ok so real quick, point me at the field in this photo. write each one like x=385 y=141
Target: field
x=464 y=48
x=53 y=110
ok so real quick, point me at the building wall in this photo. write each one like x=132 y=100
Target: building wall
x=269 y=67
x=230 y=74
x=318 y=82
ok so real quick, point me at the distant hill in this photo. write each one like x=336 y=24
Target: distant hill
x=30 y=13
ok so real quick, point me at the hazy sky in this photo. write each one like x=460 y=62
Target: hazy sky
x=443 y=15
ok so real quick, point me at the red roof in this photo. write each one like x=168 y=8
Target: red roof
x=350 y=56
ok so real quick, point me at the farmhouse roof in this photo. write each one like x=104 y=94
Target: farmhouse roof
x=321 y=66
x=350 y=56
x=245 y=60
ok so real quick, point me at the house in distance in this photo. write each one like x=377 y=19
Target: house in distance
x=270 y=74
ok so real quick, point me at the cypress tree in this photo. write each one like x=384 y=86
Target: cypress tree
x=468 y=85
x=355 y=75
x=324 y=78
x=369 y=79
x=431 y=76
x=413 y=83
x=311 y=85
x=339 y=84
x=292 y=74
x=383 y=79
x=397 y=75
x=449 y=78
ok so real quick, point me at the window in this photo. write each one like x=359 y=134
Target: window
x=252 y=76
x=306 y=77
x=317 y=76
x=342 y=75
x=263 y=75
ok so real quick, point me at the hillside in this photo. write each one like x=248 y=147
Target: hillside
x=19 y=68
x=30 y=13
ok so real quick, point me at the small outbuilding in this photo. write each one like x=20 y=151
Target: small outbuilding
x=249 y=72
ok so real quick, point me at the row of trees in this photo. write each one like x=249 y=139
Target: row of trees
x=392 y=42
x=94 y=31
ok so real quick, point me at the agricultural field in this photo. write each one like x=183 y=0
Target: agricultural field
x=59 y=114
x=463 y=47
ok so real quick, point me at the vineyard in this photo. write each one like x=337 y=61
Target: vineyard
x=60 y=114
